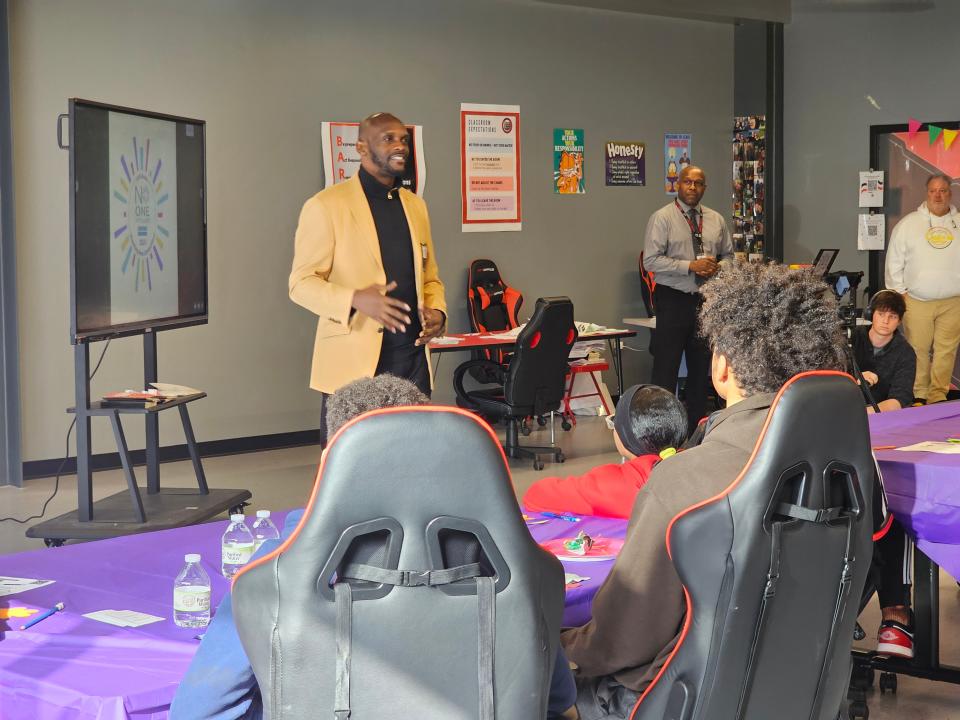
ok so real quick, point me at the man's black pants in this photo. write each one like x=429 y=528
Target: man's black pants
x=409 y=362
x=677 y=334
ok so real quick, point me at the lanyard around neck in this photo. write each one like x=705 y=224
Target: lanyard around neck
x=696 y=229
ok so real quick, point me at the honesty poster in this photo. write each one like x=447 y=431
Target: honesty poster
x=341 y=161
x=490 y=167
x=677 y=155
x=568 y=162
x=626 y=163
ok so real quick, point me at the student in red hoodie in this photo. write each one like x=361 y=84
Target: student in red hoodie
x=649 y=424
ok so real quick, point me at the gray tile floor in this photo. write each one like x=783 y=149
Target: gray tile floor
x=282 y=479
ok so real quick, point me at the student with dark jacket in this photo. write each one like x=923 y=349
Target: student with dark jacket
x=886 y=359
x=764 y=325
x=649 y=425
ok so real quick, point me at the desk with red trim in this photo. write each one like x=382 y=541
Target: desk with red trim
x=476 y=341
x=69 y=667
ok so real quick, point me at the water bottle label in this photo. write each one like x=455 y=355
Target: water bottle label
x=191 y=599
x=237 y=554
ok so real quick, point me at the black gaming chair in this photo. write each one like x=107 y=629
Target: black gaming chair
x=411 y=588
x=773 y=568
x=534 y=382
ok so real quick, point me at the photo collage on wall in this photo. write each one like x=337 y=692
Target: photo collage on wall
x=749 y=198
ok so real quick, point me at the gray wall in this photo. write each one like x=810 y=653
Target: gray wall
x=830 y=69
x=264 y=75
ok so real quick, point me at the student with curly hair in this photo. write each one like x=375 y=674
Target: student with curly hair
x=764 y=324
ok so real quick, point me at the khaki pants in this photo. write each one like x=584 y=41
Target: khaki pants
x=932 y=327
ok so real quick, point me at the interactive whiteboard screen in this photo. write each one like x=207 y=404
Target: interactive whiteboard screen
x=138 y=221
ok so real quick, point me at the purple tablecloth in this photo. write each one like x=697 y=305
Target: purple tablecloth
x=71 y=668
x=923 y=487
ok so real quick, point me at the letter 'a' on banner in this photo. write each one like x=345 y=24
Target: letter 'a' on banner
x=489 y=167
x=341 y=161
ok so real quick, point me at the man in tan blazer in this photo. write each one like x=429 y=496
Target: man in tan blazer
x=364 y=264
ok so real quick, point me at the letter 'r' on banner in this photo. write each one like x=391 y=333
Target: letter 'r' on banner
x=913 y=126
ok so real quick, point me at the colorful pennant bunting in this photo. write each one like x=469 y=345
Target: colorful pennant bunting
x=934 y=131
x=913 y=126
x=948 y=137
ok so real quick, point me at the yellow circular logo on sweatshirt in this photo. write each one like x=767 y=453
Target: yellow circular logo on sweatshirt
x=939 y=237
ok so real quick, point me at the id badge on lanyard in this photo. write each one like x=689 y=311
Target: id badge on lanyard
x=696 y=231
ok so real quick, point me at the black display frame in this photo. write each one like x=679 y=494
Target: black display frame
x=154 y=324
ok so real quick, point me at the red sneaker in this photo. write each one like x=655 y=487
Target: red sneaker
x=895 y=640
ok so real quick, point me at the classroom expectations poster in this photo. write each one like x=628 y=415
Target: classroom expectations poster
x=490 y=167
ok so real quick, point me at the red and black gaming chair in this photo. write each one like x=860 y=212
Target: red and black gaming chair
x=494 y=307
x=773 y=568
x=534 y=382
x=411 y=587
x=648 y=285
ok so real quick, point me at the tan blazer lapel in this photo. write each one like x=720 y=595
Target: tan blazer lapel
x=413 y=222
x=360 y=210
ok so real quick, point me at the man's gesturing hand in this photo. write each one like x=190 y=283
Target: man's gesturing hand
x=432 y=322
x=373 y=302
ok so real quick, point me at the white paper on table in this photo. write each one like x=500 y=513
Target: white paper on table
x=14 y=585
x=945 y=448
x=123 y=618
x=569 y=578
x=871 y=189
x=445 y=341
x=871 y=231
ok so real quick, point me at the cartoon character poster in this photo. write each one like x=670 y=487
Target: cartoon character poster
x=677 y=154
x=568 y=162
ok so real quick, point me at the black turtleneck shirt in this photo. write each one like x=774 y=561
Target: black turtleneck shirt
x=396 y=251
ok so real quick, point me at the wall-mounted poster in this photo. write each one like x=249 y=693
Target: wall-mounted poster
x=489 y=167
x=677 y=154
x=568 y=162
x=341 y=160
x=871 y=190
x=626 y=163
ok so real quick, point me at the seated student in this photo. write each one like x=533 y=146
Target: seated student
x=220 y=684
x=649 y=424
x=886 y=359
x=764 y=325
x=889 y=365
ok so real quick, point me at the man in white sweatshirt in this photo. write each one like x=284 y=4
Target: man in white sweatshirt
x=923 y=263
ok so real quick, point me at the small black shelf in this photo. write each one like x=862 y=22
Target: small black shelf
x=99 y=408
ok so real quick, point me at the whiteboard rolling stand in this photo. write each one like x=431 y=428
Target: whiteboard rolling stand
x=160 y=508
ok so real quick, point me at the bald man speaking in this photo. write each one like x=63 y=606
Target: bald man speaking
x=364 y=264
x=683 y=245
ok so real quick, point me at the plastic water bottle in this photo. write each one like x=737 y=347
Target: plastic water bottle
x=237 y=546
x=264 y=529
x=191 y=595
